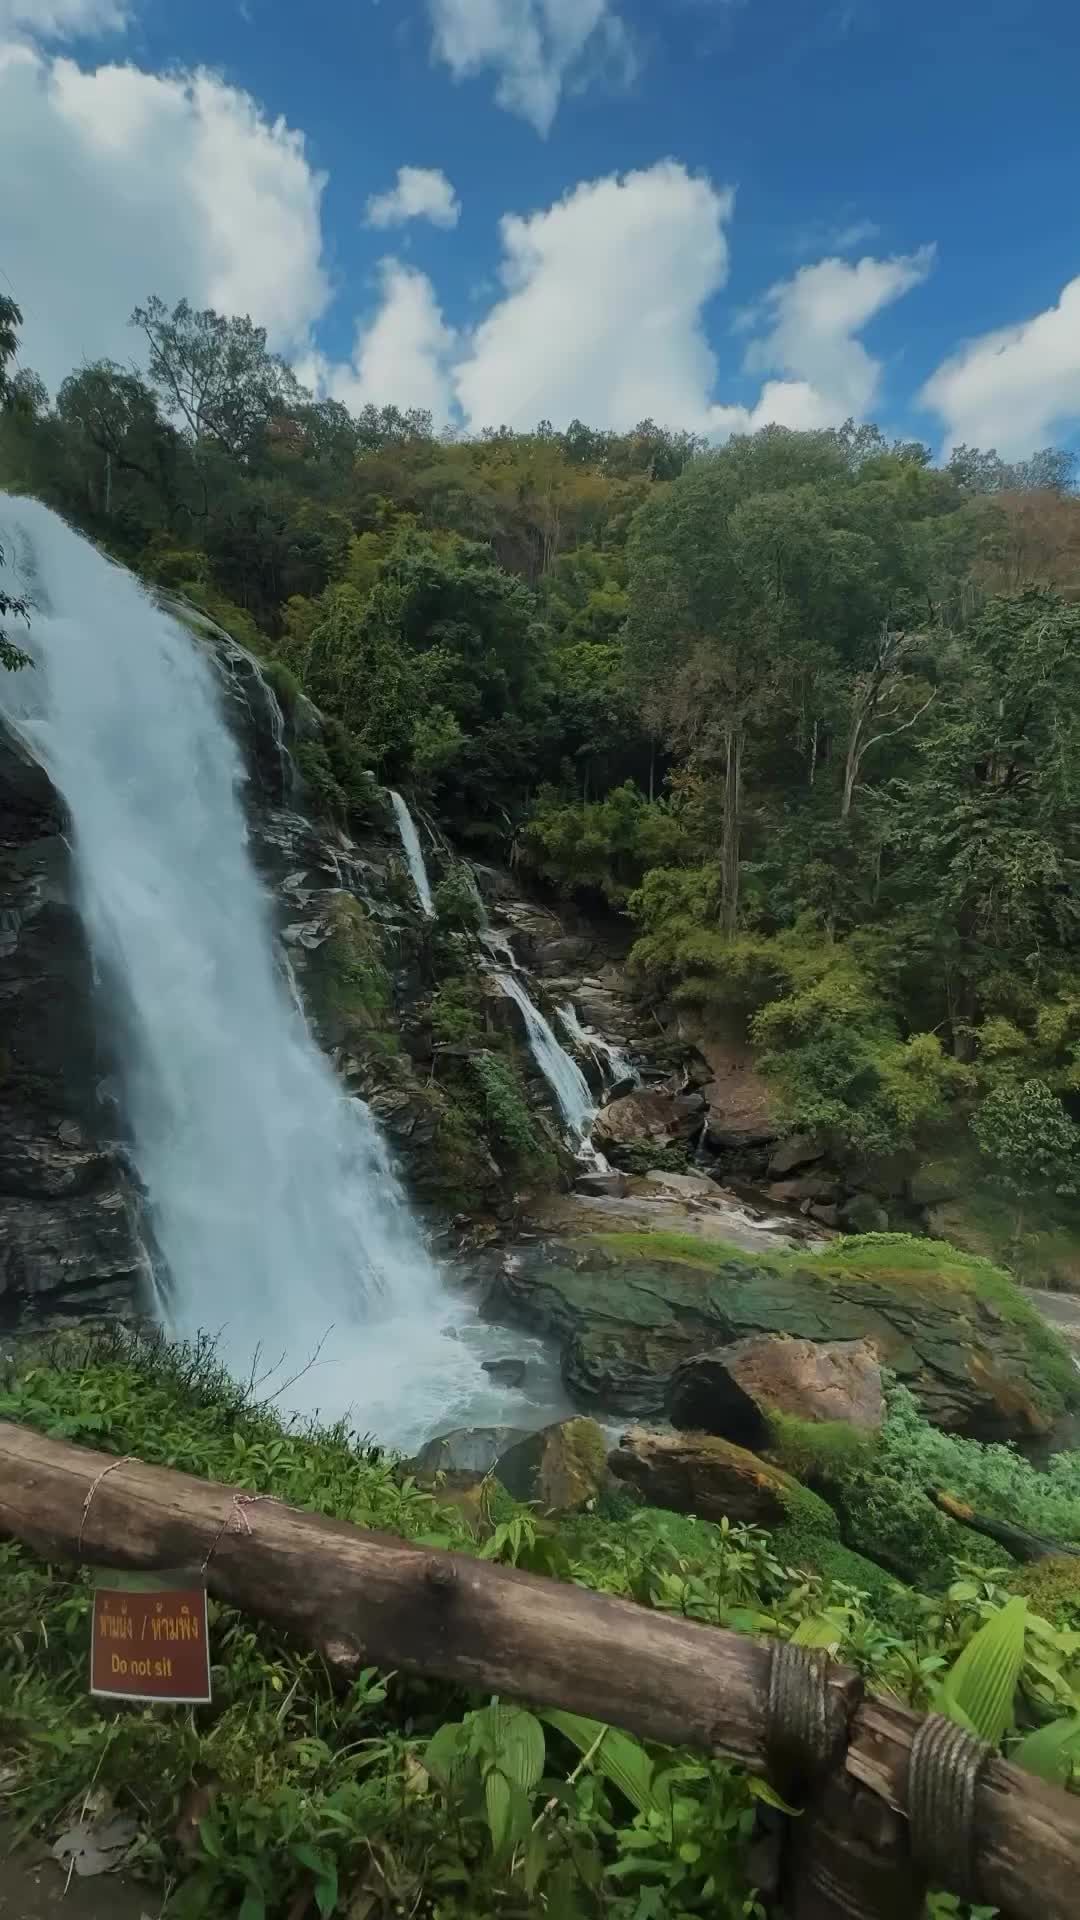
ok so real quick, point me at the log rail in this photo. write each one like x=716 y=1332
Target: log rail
x=997 y=1835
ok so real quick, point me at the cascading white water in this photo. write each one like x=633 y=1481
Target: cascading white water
x=561 y=1071
x=495 y=940
x=414 y=854
x=613 y=1062
x=559 y=1068
x=270 y=1195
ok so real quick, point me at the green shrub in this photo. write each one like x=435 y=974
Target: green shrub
x=602 y=846
x=284 y=683
x=350 y=768
x=347 y=980
x=816 y=1008
x=455 y=1013
x=800 y=1546
x=1052 y=1587
x=321 y=788
x=994 y=1479
x=457 y=902
x=819 y=1451
x=506 y=1113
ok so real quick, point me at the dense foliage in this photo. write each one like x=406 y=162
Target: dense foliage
x=805 y=705
x=401 y=1793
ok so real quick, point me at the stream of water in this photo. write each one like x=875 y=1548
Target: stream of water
x=614 y=1064
x=572 y=1092
x=414 y=853
x=270 y=1196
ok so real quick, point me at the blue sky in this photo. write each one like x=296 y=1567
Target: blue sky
x=712 y=211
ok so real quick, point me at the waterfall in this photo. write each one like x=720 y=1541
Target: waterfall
x=495 y=940
x=612 y=1061
x=270 y=1195
x=561 y=1071
x=414 y=853
x=559 y=1068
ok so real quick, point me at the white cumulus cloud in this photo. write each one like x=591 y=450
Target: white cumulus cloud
x=133 y=183
x=535 y=48
x=601 y=314
x=61 y=19
x=813 y=322
x=1016 y=388
x=418 y=193
x=402 y=355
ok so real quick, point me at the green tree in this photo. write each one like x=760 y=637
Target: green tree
x=732 y=573
x=1023 y=1130
x=128 y=457
x=1052 y=468
x=987 y=828
x=216 y=374
x=359 y=669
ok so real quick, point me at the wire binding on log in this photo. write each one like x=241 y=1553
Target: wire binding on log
x=798 y=1736
x=943 y=1775
x=127 y=1460
x=235 y=1521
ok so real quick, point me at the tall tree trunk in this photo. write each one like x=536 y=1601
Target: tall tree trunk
x=729 y=845
x=851 y=765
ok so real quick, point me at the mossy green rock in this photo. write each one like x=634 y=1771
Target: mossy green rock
x=702 y=1474
x=347 y=979
x=954 y=1329
x=560 y=1468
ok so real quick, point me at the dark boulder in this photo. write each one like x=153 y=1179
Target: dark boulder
x=735 y=1390
x=465 y=1450
x=506 y=1373
x=654 y=1117
x=700 y=1474
x=798 y=1150
x=560 y=1468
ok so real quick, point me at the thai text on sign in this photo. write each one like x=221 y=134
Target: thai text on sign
x=151 y=1644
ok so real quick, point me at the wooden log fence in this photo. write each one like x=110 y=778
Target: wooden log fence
x=894 y=1801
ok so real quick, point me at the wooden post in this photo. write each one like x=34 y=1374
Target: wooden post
x=848 y=1858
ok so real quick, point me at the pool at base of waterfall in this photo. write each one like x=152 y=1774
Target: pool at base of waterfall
x=401 y=1381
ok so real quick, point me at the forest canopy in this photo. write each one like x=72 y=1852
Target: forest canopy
x=804 y=705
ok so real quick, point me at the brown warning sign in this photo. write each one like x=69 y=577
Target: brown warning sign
x=151 y=1644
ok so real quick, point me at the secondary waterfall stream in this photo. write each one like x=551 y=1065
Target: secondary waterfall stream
x=573 y=1095
x=614 y=1063
x=269 y=1195
x=559 y=1068
x=414 y=853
